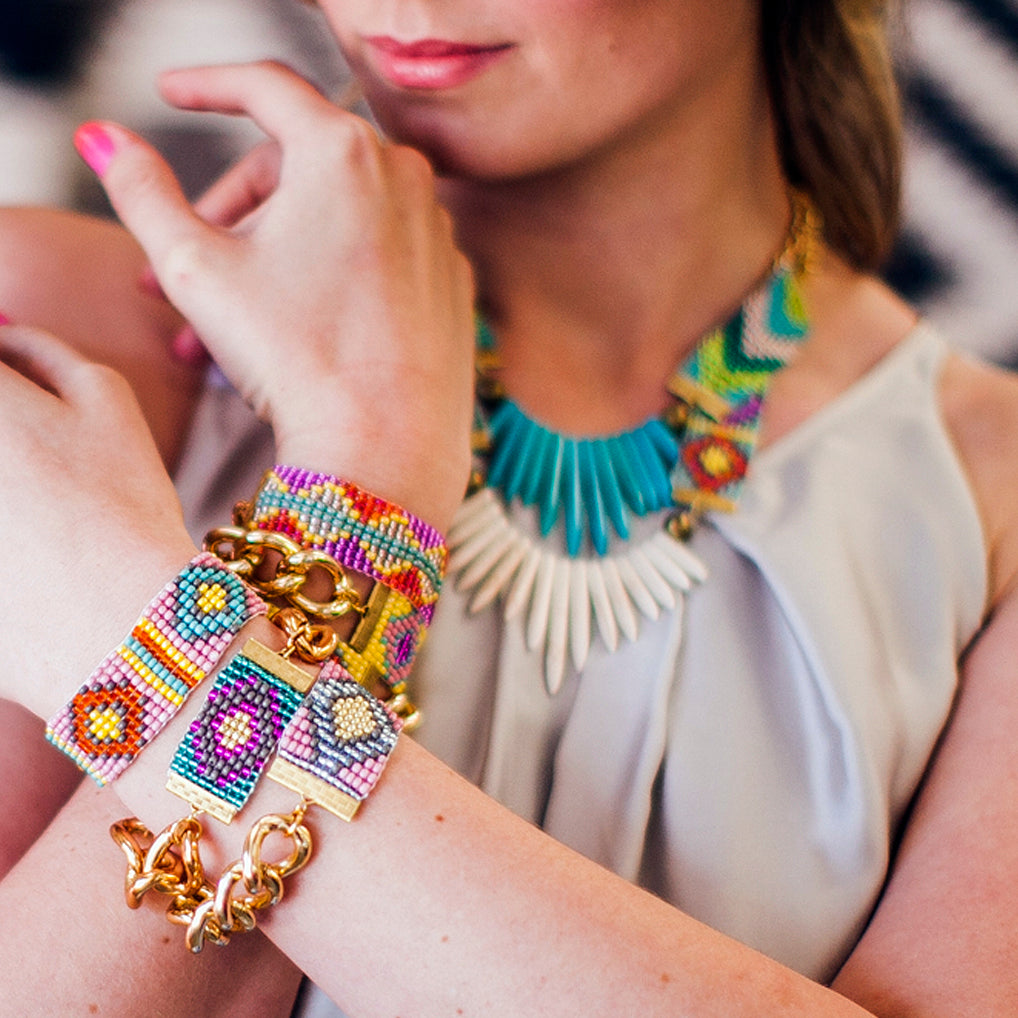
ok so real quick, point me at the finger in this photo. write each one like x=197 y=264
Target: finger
x=32 y=360
x=188 y=348
x=243 y=188
x=150 y=203
x=230 y=199
x=272 y=95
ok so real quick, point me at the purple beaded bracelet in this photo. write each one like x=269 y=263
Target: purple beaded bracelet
x=357 y=529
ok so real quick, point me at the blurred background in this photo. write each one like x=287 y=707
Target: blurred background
x=64 y=61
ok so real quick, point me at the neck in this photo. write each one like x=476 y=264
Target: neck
x=607 y=272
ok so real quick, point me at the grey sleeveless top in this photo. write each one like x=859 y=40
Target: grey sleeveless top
x=750 y=756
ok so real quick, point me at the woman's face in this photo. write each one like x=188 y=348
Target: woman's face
x=506 y=88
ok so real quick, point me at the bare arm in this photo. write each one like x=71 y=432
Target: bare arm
x=78 y=278
x=72 y=947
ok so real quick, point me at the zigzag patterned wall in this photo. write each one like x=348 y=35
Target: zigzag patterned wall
x=958 y=258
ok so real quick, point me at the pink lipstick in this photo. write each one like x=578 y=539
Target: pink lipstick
x=430 y=64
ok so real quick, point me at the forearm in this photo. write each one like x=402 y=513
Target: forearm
x=437 y=899
x=70 y=946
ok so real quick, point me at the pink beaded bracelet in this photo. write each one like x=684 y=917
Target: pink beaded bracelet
x=141 y=685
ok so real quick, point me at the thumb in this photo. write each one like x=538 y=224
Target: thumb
x=149 y=201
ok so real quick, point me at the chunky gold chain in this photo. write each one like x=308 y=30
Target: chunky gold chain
x=170 y=864
x=278 y=567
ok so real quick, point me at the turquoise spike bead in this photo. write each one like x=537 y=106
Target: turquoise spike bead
x=552 y=483
x=528 y=446
x=608 y=485
x=572 y=497
x=641 y=471
x=627 y=478
x=656 y=469
x=544 y=454
x=592 y=497
x=506 y=424
x=664 y=442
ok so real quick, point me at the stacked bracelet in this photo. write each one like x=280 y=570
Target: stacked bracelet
x=384 y=644
x=336 y=746
x=218 y=763
x=357 y=529
x=141 y=685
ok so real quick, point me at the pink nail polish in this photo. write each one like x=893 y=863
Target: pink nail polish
x=95 y=146
x=4 y=320
x=188 y=348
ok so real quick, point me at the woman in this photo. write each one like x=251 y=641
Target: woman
x=621 y=178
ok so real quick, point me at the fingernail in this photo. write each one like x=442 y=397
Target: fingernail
x=149 y=284
x=187 y=348
x=95 y=146
x=4 y=320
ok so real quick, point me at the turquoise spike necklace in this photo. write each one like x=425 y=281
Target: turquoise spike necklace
x=689 y=461
x=692 y=459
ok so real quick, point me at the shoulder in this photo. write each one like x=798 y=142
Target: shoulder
x=78 y=277
x=857 y=322
x=980 y=404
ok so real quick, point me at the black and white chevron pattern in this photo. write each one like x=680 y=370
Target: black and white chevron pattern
x=958 y=255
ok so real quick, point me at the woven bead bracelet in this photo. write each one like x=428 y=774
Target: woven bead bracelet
x=385 y=642
x=336 y=746
x=141 y=685
x=359 y=530
x=227 y=746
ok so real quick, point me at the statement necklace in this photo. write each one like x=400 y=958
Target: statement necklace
x=689 y=461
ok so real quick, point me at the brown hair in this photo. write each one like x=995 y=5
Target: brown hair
x=838 y=116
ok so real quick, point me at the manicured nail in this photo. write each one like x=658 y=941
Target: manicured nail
x=149 y=284
x=187 y=348
x=95 y=146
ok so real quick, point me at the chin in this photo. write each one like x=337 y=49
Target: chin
x=456 y=147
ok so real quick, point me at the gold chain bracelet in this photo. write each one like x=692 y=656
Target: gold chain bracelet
x=170 y=863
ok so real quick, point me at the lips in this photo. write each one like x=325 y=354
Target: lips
x=430 y=64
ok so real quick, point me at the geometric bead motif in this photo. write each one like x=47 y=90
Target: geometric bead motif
x=357 y=529
x=338 y=743
x=385 y=642
x=141 y=684
x=737 y=363
x=227 y=746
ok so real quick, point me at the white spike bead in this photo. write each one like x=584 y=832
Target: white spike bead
x=540 y=601
x=523 y=584
x=660 y=589
x=500 y=540
x=473 y=516
x=579 y=614
x=557 y=645
x=499 y=579
x=638 y=591
x=604 y=616
x=667 y=566
x=681 y=556
x=622 y=607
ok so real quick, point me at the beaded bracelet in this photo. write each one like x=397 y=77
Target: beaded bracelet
x=336 y=746
x=227 y=746
x=357 y=529
x=332 y=752
x=385 y=642
x=141 y=685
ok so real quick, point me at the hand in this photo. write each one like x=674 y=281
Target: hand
x=338 y=305
x=93 y=529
